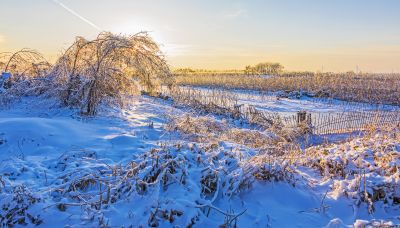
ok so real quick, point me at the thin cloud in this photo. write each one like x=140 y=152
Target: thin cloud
x=73 y=12
x=2 y=39
x=235 y=13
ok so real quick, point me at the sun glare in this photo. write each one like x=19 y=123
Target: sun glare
x=133 y=27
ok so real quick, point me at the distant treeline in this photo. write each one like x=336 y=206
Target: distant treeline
x=265 y=68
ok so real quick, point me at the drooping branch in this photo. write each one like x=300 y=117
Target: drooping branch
x=25 y=62
x=107 y=66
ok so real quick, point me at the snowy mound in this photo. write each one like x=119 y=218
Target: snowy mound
x=143 y=168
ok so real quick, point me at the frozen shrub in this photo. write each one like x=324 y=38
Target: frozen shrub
x=25 y=63
x=90 y=72
x=94 y=71
x=26 y=70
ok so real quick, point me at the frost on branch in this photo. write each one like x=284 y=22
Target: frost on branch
x=94 y=71
x=90 y=72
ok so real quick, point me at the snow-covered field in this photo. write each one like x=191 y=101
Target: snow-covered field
x=131 y=167
x=273 y=103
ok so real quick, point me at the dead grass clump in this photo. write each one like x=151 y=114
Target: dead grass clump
x=208 y=129
x=196 y=170
x=373 y=223
x=216 y=101
x=276 y=163
x=159 y=214
x=197 y=126
x=250 y=138
x=365 y=169
x=209 y=182
x=275 y=173
x=14 y=207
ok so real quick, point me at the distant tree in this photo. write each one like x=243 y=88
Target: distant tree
x=264 y=68
x=184 y=71
x=268 y=68
x=249 y=70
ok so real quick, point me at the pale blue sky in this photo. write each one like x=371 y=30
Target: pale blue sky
x=221 y=34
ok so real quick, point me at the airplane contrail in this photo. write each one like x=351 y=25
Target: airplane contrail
x=77 y=15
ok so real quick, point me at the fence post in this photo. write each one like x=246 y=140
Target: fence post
x=304 y=121
x=301 y=117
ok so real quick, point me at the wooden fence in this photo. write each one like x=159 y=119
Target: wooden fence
x=325 y=122
x=316 y=123
x=336 y=123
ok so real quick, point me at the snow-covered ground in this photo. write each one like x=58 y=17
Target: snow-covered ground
x=284 y=106
x=124 y=168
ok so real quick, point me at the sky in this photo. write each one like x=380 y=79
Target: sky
x=315 y=35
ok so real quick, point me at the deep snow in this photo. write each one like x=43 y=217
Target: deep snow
x=35 y=135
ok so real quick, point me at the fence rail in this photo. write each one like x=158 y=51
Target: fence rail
x=320 y=123
x=334 y=123
x=331 y=123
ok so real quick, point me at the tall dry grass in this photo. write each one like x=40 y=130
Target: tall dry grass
x=371 y=88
